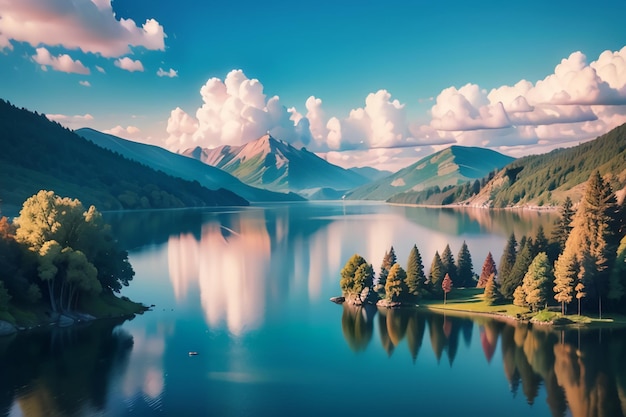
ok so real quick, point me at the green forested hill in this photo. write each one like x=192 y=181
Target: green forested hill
x=443 y=169
x=548 y=178
x=40 y=154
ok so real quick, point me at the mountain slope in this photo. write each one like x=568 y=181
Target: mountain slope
x=181 y=166
x=370 y=173
x=278 y=166
x=548 y=178
x=40 y=154
x=451 y=166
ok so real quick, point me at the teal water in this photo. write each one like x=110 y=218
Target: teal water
x=248 y=290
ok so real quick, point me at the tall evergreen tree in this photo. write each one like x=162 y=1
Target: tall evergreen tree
x=389 y=259
x=617 y=282
x=541 y=241
x=564 y=223
x=363 y=278
x=491 y=294
x=537 y=281
x=395 y=283
x=565 y=275
x=508 y=259
x=436 y=274
x=489 y=269
x=415 y=277
x=464 y=267
x=448 y=265
x=522 y=262
x=594 y=238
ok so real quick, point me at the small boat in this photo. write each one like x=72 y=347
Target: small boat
x=192 y=353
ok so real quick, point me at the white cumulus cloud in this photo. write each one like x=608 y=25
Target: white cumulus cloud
x=129 y=132
x=129 y=64
x=88 y=25
x=67 y=120
x=85 y=83
x=171 y=73
x=62 y=63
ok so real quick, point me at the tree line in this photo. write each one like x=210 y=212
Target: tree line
x=396 y=285
x=58 y=251
x=583 y=263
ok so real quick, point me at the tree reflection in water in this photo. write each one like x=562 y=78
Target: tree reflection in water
x=582 y=370
x=62 y=371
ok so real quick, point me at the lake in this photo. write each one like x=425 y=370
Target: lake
x=248 y=290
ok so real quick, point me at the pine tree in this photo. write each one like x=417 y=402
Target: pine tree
x=491 y=294
x=565 y=275
x=395 y=283
x=446 y=286
x=508 y=259
x=541 y=242
x=617 y=282
x=516 y=276
x=436 y=274
x=415 y=277
x=537 y=281
x=388 y=261
x=564 y=224
x=448 y=265
x=464 y=267
x=489 y=269
x=593 y=237
x=519 y=297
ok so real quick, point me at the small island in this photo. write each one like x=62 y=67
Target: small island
x=581 y=267
x=59 y=264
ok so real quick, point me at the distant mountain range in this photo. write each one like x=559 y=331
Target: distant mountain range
x=40 y=154
x=182 y=166
x=276 y=165
x=449 y=167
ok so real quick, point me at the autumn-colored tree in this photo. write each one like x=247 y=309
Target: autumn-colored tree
x=389 y=259
x=446 y=285
x=464 y=267
x=580 y=293
x=594 y=237
x=491 y=294
x=363 y=278
x=537 y=281
x=348 y=272
x=565 y=275
x=395 y=283
x=519 y=297
x=489 y=269
x=415 y=277
x=449 y=266
x=436 y=274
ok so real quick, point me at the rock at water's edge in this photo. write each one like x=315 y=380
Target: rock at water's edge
x=338 y=300
x=6 y=328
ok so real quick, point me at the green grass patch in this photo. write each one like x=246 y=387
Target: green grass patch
x=109 y=305
x=471 y=300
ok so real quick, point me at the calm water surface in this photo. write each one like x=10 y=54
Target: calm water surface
x=248 y=289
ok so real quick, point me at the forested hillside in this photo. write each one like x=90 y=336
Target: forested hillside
x=539 y=180
x=40 y=154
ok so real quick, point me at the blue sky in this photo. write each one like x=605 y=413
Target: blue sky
x=361 y=83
